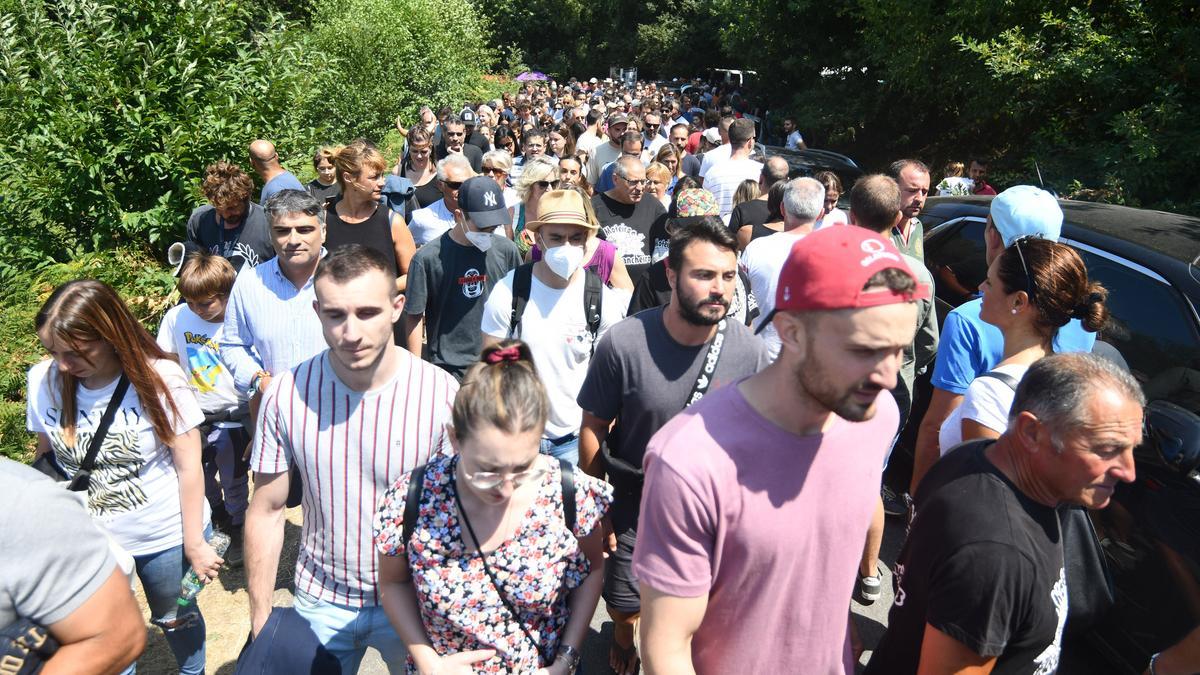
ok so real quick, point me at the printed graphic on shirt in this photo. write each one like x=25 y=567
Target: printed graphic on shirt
x=203 y=365
x=630 y=243
x=473 y=282
x=1047 y=661
x=115 y=486
x=236 y=249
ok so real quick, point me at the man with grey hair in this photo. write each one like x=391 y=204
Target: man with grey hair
x=270 y=326
x=436 y=219
x=625 y=218
x=981 y=582
x=762 y=260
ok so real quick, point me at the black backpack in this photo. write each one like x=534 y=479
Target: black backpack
x=593 y=289
x=416 y=487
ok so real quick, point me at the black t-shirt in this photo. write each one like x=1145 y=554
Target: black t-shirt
x=374 y=232
x=473 y=154
x=753 y=212
x=249 y=243
x=983 y=563
x=323 y=193
x=627 y=226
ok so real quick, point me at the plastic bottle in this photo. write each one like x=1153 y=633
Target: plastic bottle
x=185 y=614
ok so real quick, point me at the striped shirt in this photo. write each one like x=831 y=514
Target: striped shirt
x=349 y=448
x=269 y=324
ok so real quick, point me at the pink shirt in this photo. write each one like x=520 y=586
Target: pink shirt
x=769 y=525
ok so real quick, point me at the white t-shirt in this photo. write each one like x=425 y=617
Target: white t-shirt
x=134 y=489
x=762 y=261
x=713 y=157
x=196 y=342
x=724 y=179
x=555 y=328
x=431 y=222
x=834 y=217
x=987 y=402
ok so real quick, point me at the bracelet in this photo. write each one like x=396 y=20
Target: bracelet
x=1153 y=660
x=254 y=381
x=570 y=655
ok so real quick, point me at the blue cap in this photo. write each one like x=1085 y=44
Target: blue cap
x=483 y=202
x=1024 y=211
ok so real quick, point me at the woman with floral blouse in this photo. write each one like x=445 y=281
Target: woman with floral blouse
x=490 y=578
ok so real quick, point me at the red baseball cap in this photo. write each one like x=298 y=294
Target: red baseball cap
x=828 y=268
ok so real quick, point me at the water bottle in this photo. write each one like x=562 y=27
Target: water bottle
x=185 y=614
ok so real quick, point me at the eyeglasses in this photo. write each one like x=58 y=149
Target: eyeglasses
x=488 y=480
x=1030 y=287
x=634 y=183
x=452 y=184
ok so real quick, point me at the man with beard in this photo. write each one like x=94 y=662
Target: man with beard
x=626 y=218
x=913 y=178
x=230 y=225
x=757 y=499
x=454 y=142
x=648 y=368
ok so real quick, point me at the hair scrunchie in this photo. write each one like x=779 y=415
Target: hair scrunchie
x=510 y=353
x=1083 y=308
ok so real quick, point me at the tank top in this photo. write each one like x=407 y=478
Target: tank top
x=761 y=230
x=374 y=232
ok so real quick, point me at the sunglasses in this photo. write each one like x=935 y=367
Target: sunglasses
x=452 y=184
x=549 y=184
x=493 y=171
x=1030 y=287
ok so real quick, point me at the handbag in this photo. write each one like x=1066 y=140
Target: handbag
x=48 y=465
x=1090 y=592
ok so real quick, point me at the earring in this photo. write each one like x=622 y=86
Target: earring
x=1014 y=310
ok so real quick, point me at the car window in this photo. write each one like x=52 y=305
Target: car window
x=1151 y=326
x=956 y=256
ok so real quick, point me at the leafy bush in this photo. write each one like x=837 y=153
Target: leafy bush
x=383 y=58
x=113 y=110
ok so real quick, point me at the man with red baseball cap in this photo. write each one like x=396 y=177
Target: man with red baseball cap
x=757 y=498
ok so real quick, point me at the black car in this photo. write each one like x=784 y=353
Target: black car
x=1151 y=531
x=811 y=160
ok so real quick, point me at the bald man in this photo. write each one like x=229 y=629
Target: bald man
x=266 y=164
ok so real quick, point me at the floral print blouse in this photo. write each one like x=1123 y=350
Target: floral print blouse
x=537 y=567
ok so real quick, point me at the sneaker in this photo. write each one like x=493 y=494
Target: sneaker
x=868 y=589
x=234 y=557
x=894 y=504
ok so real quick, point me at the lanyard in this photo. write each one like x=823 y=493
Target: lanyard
x=709 y=367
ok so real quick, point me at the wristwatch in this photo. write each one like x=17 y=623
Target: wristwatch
x=570 y=655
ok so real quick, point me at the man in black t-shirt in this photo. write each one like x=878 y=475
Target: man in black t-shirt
x=625 y=218
x=230 y=225
x=980 y=581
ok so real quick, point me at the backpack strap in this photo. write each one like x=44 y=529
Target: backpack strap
x=412 y=504
x=522 y=286
x=1007 y=379
x=593 y=292
x=568 y=493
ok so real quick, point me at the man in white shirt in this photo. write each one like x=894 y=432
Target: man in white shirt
x=721 y=152
x=436 y=219
x=560 y=331
x=724 y=178
x=803 y=204
x=604 y=153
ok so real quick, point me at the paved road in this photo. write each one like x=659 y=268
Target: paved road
x=870 y=620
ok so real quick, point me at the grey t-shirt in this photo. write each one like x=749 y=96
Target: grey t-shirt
x=247 y=244
x=448 y=283
x=641 y=377
x=63 y=558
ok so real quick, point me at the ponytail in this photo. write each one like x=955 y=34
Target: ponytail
x=502 y=390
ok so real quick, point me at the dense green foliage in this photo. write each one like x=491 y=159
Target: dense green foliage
x=1097 y=95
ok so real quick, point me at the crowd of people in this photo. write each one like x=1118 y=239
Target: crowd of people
x=580 y=342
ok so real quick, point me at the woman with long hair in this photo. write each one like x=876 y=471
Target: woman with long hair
x=559 y=141
x=668 y=156
x=325 y=186
x=418 y=166
x=539 y=176
x=1032 y=289
x=359 y=217
x=833 y=192
x=495 y=568
x=147 y=484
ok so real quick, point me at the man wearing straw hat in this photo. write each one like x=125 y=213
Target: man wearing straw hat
x=560 y=309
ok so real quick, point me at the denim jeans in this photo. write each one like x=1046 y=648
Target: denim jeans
x=161 y=574
x=226 y=474
x=563 y=449
x=347 y=632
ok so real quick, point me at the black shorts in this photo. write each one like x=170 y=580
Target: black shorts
x=620 y=588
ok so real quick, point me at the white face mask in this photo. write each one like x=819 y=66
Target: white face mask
x=481 y=240
x=564 y=260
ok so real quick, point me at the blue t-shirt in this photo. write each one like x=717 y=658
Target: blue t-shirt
x=284 y=181
x=606 y=181
x=970 y=347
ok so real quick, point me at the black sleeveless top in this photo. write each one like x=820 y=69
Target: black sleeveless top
x=761 y=230
x=374 y=232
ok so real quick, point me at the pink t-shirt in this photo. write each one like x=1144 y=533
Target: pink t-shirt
x=769 y=525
